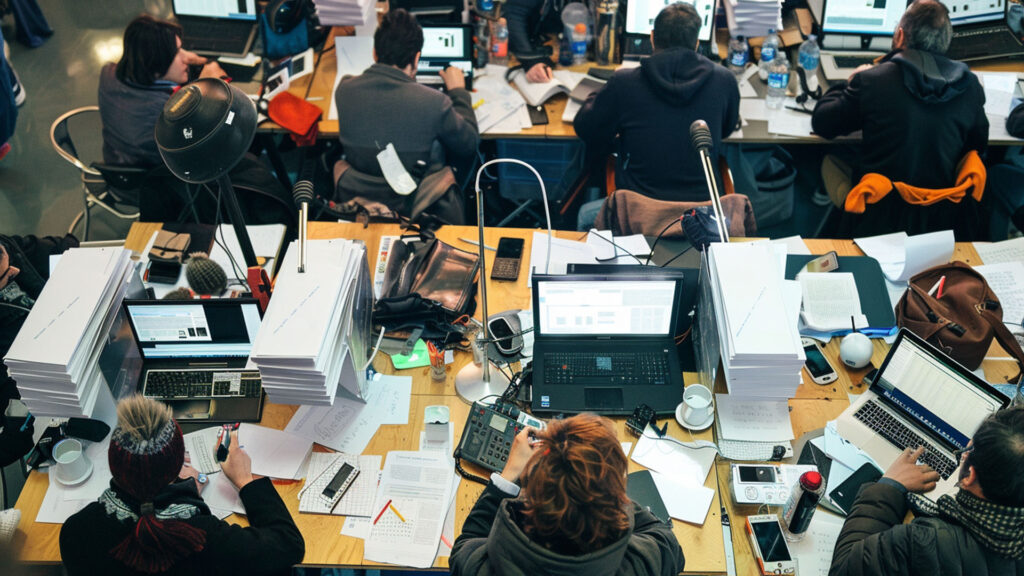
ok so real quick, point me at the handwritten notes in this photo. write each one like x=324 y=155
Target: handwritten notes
x=753 y=420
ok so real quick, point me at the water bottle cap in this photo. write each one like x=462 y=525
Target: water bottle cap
x=812 y=37
x=580 y=28
x=771 y=30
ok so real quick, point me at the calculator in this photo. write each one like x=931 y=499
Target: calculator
x=339 y=484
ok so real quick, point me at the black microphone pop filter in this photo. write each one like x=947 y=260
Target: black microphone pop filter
x=700 y=136
x=302 y=190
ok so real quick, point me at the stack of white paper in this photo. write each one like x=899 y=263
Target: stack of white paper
x=753 y=18
x=302 y=349
x=345 y=12
x=761 y=351
x=55 y=357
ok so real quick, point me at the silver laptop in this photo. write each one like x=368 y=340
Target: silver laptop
x=920 y=397
x=217 y=27
x=856 y=32
x=445 y=45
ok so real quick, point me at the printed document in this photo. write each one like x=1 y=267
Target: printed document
x=902 y=256
x=830 y=301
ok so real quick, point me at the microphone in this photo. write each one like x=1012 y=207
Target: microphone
x=700 y=138
x=302 y=193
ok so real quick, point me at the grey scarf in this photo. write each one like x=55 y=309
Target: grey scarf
x=998 y=528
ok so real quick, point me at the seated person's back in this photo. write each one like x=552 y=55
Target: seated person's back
x=650 y=109
x=920 y=112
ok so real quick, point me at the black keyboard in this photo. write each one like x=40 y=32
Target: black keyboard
x=853 y=61
x=601 y=368
x=875 y=417
x=994 y=41
x=199 y=384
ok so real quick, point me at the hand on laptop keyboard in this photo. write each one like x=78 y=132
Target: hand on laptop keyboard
x=914 y=477
x=453 y=78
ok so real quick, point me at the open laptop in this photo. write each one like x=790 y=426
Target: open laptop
x=986 y=29
x=217 y=27
x=920 y=396
x=856 y=32
x=640 y=15
x=194 y=354
x=605 y=343
x=445 y=45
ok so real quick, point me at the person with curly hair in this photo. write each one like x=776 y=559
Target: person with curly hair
x=560 y=507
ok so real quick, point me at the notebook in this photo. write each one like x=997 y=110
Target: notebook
x=989 y=29
x=920 y=396
x=640 y=15
x=217 y=27
x=605 y=343
x=194 y=354
x=856 y=33
x=445 y=45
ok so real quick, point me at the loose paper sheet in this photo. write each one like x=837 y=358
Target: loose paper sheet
x=753 y=419
x=684 y=502
x=688 y=466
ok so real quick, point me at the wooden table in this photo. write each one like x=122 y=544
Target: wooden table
x=811 y=408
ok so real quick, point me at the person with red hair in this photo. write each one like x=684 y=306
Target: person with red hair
x=560 y=507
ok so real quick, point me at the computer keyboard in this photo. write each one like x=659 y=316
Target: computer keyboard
x=853 y=61
x=607 y=368
x=875 y=417
x=197 y=384
x=752 y=451
x=994 y=41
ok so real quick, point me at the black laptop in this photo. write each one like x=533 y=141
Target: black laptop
x=445 y=45
x=194 y=354
x=217 y=27
x=984 y=30
x=640 y=15
x=605 y=343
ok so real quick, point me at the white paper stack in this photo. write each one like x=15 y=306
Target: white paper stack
x=55 y=358
x=752 y=18
x=760 y=345
x=345 y=12
x=302 y=349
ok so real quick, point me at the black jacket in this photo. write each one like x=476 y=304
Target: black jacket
x=1015 y=123
x=650 y=110
x=491 y=542
x=270 y=545
x=919 y=112
x=874 y=541
x=129 y=116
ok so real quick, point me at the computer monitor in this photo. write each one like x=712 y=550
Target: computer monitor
x=439 y=11
x=234 y=9
x=975 y=11
x=640 y=15
x=213 y=328
x=862 y=17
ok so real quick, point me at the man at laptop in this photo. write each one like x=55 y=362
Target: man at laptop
x=920 y=112
x=980 y=530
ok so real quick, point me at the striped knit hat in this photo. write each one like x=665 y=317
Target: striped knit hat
x=143 y=467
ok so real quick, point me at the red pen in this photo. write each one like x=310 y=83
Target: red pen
x=385 y=509
x=942 y=285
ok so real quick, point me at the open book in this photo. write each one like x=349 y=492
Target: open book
x=830 y=300
x=562 y=82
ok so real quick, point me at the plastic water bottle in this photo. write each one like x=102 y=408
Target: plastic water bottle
x=769 y=49
x=778 y=81
x=579 y=44
x=738 y=54
x=810 y=57
x=485 y=6
x=499 y=43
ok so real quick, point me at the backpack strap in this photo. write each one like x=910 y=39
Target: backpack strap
x=1005 y=339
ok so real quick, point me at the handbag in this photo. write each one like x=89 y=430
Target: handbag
x=963 y=321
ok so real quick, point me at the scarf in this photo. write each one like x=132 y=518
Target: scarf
x=178 y=501
x=997 y=527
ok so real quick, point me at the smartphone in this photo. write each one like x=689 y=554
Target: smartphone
x=336 y=488
x=817 y=364
x=506 y=261
x=538 y=115
x=769 y=545
x=163 y=272
x=503 y=335
x=844 y=494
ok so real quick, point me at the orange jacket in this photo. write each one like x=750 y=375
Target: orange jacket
x=873 y=187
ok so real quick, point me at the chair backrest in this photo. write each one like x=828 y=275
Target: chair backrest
x=60 y=138
x=122 y=177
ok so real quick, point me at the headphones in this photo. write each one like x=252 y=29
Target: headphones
x=284 y=15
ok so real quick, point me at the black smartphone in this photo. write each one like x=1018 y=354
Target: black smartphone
x=844 y=494
x=538 y=115
x=506 y=261
x=163 y=272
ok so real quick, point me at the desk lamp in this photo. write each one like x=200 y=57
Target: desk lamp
x=474 y=381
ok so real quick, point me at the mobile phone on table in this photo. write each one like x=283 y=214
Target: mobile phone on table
x=506 y=261
x=769 y=545
x=817 y=364
x=163 y=272
x=844 y=494
x=538 y=115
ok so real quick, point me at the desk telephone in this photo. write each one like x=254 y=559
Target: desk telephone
x=489 y=432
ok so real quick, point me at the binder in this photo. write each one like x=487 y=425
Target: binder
x=874 y=297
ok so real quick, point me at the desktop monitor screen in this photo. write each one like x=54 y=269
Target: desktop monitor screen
x=235 y=9
x=973 y=11
x=640 y=15
x=863 y=17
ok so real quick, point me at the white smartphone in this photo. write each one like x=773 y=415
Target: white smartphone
x=769 y=545
x=817 y=365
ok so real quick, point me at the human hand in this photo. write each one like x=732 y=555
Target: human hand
x=187 y=471
x=859 y=69
x=212 y=70
x=7 y=272
x=913 y=476
x=539 y=73
x=522 y=450
x=192 y=59
x=453 y=78
x=238 y=466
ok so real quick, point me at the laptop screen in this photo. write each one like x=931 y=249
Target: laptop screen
x=605 y=307
x=170 y=329
x=930 y=388
x=640 y=15
x=446 y=45
x=235 y=9
x=863 y=17
x=974 y=11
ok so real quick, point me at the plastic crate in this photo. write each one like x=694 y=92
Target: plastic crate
x=549 y=158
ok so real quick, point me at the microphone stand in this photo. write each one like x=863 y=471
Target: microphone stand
x=303 y=221
x=716 y=200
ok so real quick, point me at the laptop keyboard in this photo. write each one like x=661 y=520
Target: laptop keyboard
x=606 y=368
x=982 y=41
x=852 y=61
x=180 y=384
x=887 y=426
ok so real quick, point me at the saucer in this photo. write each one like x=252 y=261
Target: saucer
x=694 y=428
x=85 y=476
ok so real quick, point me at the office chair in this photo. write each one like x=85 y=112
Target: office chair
x=113 y=188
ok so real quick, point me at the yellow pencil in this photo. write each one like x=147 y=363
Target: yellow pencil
x=395 y=510
x=478 y=104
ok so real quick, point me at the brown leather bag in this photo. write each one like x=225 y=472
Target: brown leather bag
x=963 y=322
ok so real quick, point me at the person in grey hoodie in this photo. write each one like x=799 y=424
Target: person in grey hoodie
x=568 y=514
x=919 y=111
x=645 y=113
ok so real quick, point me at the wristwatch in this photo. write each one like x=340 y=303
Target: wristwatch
x=202 y=478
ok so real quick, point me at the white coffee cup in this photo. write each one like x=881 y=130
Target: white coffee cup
x=73 y=466
x=697 y=404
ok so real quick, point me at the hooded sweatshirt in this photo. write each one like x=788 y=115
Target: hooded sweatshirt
x=649 y=110
x=1015 y=123
x=493 y=543
x=920 y=114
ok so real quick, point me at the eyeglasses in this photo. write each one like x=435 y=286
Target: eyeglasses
x=958 y=454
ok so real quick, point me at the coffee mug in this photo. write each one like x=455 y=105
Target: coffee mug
x=73 y=466
x=697 y=404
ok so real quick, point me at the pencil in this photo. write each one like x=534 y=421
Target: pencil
x=478 y=104
x=383 y=510
x=395 y=510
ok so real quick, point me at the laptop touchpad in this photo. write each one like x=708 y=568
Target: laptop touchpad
x=602 y=398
